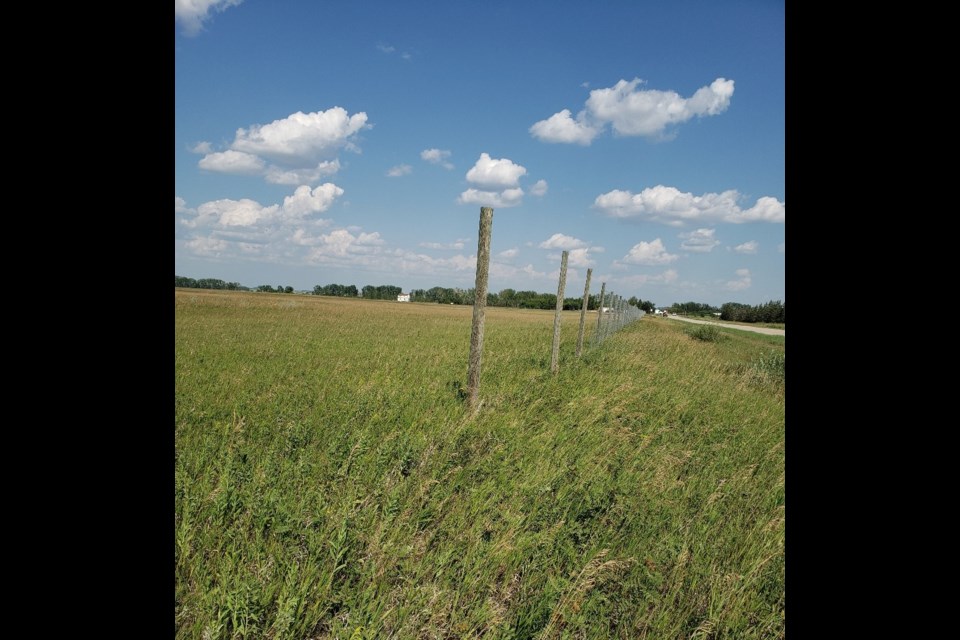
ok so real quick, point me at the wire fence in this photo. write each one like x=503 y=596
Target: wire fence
x=613 y=314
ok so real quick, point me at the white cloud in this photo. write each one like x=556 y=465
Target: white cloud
x=180 y=205
x=399 y=170
x=701 y=240
x=539 y=188
x=492 y=175
x=503 y=271
x=649 y=253
x=560 y=127
x=242 y=213
x=276 y=175
x=458 y=244
x=767 y=209
x=507 y=198
x=633 y=112
x=301 y=147
x=742 y=283
x=232 y=162
x=580 y=258
x=667 y=277
x=437 y=156
x=341 y=243
x=305 y=201
x=495 y=173
x=509 y=253
x=191 y=14
x=669 y=205
x=560 y=241
x=782 y=247
x=747 y=247
x=250 y=213
x=649 y=112
x=301 y=139
x=386 y=48
x=205 y=246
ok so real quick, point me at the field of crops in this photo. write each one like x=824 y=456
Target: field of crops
x=330 y=483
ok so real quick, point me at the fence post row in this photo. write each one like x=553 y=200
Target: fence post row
x=554 y=366
x=585 y=303
x=479 y=306
x=596 y=335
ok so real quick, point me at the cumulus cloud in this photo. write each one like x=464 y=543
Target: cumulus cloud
x=669 y=205
x=437 y=156
x=560 y=127
x=747 y=247
x=276 y=175
x=504 y=199
x=180 y=205
x=667 y=277
x=561 y=241
x=243 y=213
x=498 y=179
x=495 y=173
x=399 y=170
x=191 y=14
x=301 y=139
x=458 y=244
x=232 y=162
x=649 y=253
x=701 y=241
x=509 y=253
x=249 y=213
x=539 y=188
x=743 y=282
x=341 y=243
x=633 y=112
x=767 y=209
x=301 y=148
x=305 y=201
x=580 y=258
x=207 y=246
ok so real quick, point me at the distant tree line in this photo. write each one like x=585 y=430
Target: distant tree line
x=209 y=283
x=265 y=288
x=772 y=311
x=341 y=290
x=513 y=299
x=693 y=308
x=381 y=292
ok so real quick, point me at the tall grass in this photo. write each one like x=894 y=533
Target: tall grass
x=329 y=482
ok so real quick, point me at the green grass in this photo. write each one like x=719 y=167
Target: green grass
x=330 y=484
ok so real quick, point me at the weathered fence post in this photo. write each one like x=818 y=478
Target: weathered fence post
x=603 y=290
x=479 y=306
x=583 y=312
x=554 y=366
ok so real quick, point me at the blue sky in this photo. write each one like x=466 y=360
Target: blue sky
x=355 y=142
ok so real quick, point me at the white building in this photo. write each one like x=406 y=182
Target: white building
x=403 y=297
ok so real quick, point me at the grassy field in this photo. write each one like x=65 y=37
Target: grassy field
x=330 y=484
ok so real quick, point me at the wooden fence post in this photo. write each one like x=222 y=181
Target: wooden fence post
x=603 y=290
x=479 y=306
x=583 y=312
x=554 y=366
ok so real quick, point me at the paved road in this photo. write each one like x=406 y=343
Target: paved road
x=742 y=327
